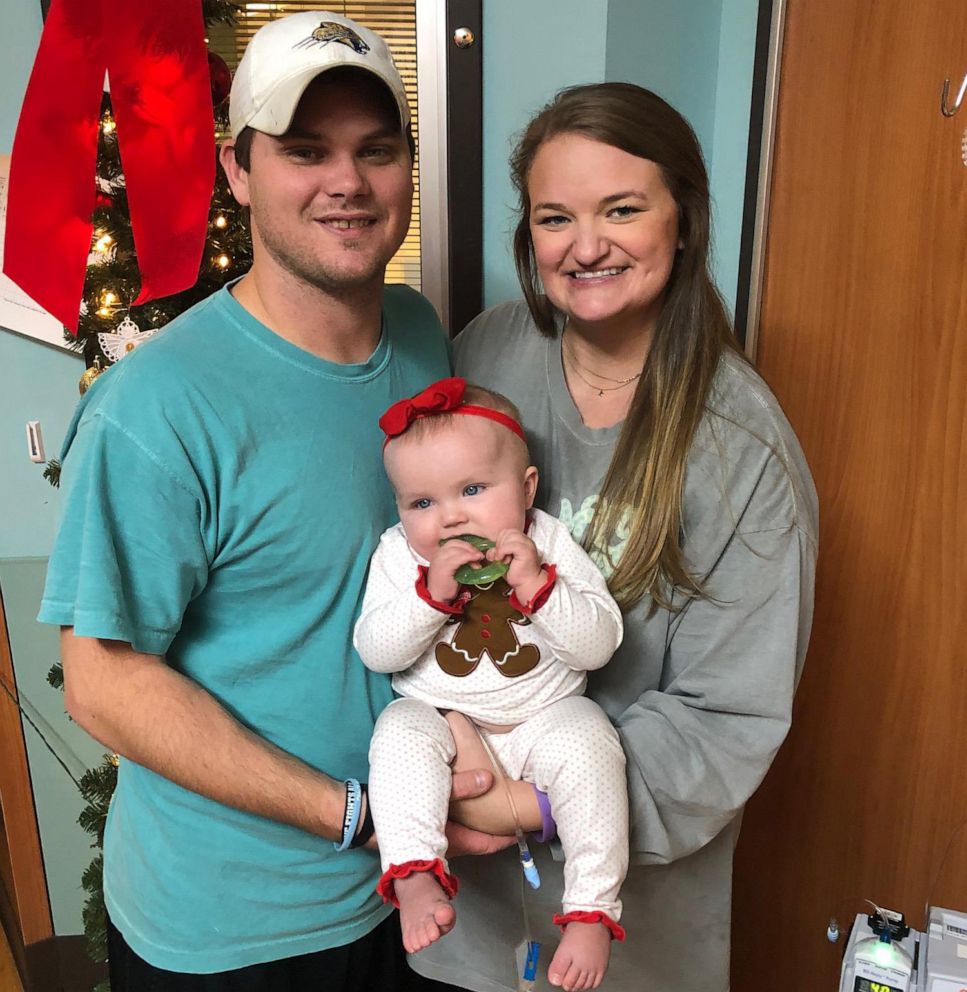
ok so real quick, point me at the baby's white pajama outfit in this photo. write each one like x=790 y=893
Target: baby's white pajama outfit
x=503 y=663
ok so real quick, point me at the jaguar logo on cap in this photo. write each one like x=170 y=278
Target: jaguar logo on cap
x=331 y=31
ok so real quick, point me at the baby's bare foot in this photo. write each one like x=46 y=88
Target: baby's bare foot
x=581 y=959
x=425 y=912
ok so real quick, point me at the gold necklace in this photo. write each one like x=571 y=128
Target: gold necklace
x=601 y=390
x=577 y=366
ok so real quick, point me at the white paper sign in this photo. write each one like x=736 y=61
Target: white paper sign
x=18 y=312
x=945 y=985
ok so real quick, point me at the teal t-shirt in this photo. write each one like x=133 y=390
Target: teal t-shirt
x=223 y=492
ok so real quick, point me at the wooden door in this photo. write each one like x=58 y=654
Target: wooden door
x=863 y=336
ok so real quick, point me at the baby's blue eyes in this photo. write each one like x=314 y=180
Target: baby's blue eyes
x=474 y=489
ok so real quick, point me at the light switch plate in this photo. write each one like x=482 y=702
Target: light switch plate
x=35 y=442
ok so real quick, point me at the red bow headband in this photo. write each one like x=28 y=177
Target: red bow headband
x=443 y=396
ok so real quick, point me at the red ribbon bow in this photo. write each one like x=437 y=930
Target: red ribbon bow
x=439 y=397
x=161 y=99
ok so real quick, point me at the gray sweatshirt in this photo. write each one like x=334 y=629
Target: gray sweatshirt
x=701 y=695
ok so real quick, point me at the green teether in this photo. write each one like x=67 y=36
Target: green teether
x=467 y=575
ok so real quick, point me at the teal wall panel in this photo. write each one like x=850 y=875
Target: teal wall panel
x=673 y=49
x=21 y=22
x=39 y=380
x=531 y=50
x=730 y=138
x=697 y=54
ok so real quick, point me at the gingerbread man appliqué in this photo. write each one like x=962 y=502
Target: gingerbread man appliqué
x=486 y=627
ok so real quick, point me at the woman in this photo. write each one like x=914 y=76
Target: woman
x=669 y=458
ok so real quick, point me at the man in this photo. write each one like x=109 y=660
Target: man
x=223 y=493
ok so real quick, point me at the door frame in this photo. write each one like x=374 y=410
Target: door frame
x=450 y=83
x=758 y=179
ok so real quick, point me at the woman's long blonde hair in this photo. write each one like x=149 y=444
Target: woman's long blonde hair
x=642 y=491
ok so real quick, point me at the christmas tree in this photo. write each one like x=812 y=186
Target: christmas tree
x=109 y=327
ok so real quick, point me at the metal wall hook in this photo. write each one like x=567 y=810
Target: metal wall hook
x=950 y=111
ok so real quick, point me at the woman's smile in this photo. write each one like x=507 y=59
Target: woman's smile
x=605 y=231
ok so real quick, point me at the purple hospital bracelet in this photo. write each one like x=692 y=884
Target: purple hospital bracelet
x=548 y=826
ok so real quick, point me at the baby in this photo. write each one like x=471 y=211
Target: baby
x=511 y=654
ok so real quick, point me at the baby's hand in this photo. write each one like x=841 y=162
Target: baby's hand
x=525 y=575
x=440 y=583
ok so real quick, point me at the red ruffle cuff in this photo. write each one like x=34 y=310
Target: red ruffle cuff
x=386 y=886
x=580 y=916
x=540 y=597
x=454 y=608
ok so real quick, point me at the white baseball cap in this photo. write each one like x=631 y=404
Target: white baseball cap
x=285 y=55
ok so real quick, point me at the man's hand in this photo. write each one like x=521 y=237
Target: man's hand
x=464 y=840
x=486 y=810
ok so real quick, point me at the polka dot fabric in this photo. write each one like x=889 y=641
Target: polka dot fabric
x=576 y=630
x=409 y=782
x=561 y=741
x=569 y=750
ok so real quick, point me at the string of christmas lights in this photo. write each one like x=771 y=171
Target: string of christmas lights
x=112 y=280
